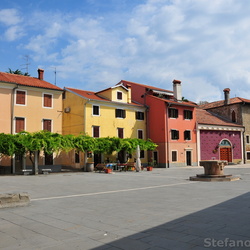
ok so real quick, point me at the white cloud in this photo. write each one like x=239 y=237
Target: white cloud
x=204 y=43
x=13 y=33
x=10 y=17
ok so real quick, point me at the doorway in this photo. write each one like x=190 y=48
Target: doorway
x=188 y=158
x=226 y=154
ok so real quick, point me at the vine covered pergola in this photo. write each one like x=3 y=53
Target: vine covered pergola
x=31 y=144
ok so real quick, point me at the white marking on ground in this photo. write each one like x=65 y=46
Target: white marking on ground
x=111 y=192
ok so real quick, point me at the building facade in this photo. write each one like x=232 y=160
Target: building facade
x=171 y=123
x=218 y=138
x=237 y=111
x=29 y=104
x=107 y=113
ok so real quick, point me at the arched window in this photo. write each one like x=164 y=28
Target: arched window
x=233 y=116
x=225 y=143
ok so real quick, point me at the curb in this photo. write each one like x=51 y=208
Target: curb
x=14 y=200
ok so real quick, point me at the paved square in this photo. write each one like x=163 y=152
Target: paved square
x=161 y=209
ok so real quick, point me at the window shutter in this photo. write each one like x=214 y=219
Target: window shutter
x=20 y=97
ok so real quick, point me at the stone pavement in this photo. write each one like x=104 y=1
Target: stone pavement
x=161 y=209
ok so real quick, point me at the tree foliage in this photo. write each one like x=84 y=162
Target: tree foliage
x=28 y=143
x=17 y=72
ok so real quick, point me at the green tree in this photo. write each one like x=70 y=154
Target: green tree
x=17 y=72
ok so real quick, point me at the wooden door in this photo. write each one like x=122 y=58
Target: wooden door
x=226 y=154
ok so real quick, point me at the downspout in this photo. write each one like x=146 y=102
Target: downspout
x=243 y=137
x=168 y=105
x=147 y=117
x=12 y=123
x=198 y=142
x=85 y=119
x=243 y=154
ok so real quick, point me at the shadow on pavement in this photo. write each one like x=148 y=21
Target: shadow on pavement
x=223 y=226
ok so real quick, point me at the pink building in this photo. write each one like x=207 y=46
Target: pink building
x=219 y=138
x=171 y=123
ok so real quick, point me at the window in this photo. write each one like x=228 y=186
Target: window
x=119 y=95
x=142 y=154
x=77 y=157
x=173 y=113
x=48 y=158
x=139 y=115
x=47 y=100
x=47 y=125
x=174 y=156
x=174 y=134
x=120 y=113
x=120 y=132
x=96 y=131
x=187 y=135
x=20 y=122
x=247 y=139
x=95 y=110
x=188 y=114
x=140 y=134
x=233 y=116
x=248 y=155
x=20 y=97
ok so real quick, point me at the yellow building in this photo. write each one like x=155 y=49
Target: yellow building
x=107 y=113
x=30 y=104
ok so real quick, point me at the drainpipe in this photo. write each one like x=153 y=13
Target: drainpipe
x=12 y=123
x=85 y=119
x=168 y=105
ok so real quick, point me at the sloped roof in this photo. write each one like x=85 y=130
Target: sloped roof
x=146 y=86
x=221 y=103
x=26 y=81
x=175 y=102
x=210 y=118
x=94 y=96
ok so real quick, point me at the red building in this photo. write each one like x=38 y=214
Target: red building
x=171 y=123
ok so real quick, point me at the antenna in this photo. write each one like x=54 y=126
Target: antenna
x=27 y=58
x=55 y=72
x=55 y=75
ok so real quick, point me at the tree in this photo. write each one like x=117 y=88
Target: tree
x=17 y=72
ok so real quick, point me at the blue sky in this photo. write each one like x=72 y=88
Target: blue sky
x=93 y=44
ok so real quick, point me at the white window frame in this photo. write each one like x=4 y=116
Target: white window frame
x=52 y=101
x=138 y=133
x=117 y=96
x=51 y=123
x=25 y=97
x=93 y=110
x=15 y=123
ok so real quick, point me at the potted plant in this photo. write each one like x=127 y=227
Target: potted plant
x=151 y=164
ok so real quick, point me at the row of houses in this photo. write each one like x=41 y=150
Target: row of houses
x=184 y=132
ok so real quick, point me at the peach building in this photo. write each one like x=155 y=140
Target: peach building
x=30 y=104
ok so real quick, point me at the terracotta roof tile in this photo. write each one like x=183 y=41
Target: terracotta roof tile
x=207 y=117
x=146 y=86
x=221 y=103
x=93 y=95
x=26 y=81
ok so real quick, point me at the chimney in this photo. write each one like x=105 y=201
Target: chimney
x=40 y=74
x=129 y=92
x=227 y=96
x=177 y=90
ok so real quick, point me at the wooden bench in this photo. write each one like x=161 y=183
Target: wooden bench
x=46 y=170
x=100 y=167
x=27 y=171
